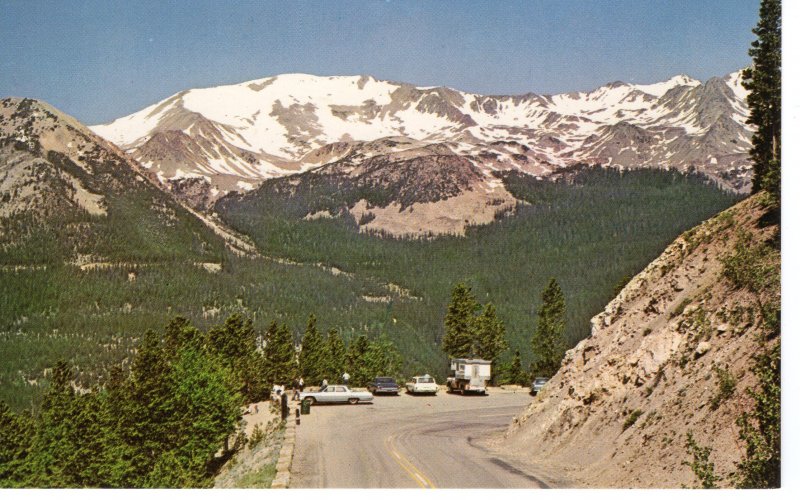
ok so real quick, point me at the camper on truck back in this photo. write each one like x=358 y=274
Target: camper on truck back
x=469 y=375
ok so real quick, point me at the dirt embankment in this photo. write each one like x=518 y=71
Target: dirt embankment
x=618 y=411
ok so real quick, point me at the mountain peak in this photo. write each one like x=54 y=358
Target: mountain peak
x=241 y=134
x=75 y=187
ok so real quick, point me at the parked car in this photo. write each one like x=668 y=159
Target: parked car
x=335 y=394
x=424 y=384
x=537 y=384
x=383 y=385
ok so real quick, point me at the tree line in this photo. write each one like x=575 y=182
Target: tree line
x=326 y=357
x=166 y=422
x=472 y=330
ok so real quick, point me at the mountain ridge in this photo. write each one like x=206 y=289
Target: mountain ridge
x=69 y=196
x=233 y=137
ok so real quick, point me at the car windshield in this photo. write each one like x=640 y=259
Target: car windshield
x=425 y=380
x=384 y=380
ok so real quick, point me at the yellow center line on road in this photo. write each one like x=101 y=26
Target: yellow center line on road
x=413 y=472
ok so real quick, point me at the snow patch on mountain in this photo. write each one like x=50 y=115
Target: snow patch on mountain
x=239 y=135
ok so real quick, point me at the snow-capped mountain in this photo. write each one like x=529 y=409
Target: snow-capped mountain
x=232 y=137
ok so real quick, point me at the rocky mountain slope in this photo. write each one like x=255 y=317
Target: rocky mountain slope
x=70 y=196
x=672 y=353
x=206 y=142
x=410 y=189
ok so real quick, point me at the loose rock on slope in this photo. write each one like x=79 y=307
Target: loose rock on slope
x=617 y=412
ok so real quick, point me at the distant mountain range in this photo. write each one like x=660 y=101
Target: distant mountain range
x=204 y=143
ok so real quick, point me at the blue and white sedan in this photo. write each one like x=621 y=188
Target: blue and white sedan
x=335 y=394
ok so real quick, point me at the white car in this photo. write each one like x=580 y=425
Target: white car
x=335 y=394
x=424 y=384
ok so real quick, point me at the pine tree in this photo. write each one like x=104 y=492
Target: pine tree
x=281 y=355
x=763 y=80
x=516 y=375
x=460 y=327
x=55 y=444
x=205 y=410
x=178 y=333
x=491 y=336
x=101 y=458
x=382 y=359
x=336 y=355
x=312 y=354
x=234 y=340
x=548 y=340
x=355 y=361
x=236 y=345
x=145 y=421
x=16 y=434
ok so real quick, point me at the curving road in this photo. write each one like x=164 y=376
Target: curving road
x=409 y=442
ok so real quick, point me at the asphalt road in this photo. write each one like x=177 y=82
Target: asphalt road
x=409 y=442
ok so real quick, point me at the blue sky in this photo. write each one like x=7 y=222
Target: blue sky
x=99 y=60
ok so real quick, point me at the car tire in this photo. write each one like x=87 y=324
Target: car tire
x=353 y=401
x=311 y=400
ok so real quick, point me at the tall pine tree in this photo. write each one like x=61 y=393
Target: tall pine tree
x=491 y=336
x=16 y=433
x=336 y=356
x=382 y=359
x=313 y=354
x=548 y=339
x=516 y=375
x=460 y=326
x=763 y=80
x=356 y=362
x=280 y=354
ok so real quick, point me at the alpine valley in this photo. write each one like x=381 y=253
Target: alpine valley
x=358 y=200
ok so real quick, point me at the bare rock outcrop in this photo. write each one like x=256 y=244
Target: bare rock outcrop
x=617 y=412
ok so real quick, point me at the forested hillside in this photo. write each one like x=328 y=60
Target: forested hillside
x=92 y=253
x=588 y=230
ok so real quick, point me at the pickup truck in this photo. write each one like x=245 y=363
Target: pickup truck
x=335 y=394
x=469 y=375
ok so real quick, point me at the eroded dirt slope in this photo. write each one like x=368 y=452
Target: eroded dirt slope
x=618 y=411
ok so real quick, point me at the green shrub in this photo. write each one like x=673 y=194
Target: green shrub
x=702 y=467
x=752 y=265
x=726 y=386
x=632 y=418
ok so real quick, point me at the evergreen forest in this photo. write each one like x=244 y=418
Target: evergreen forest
x=589 y=232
